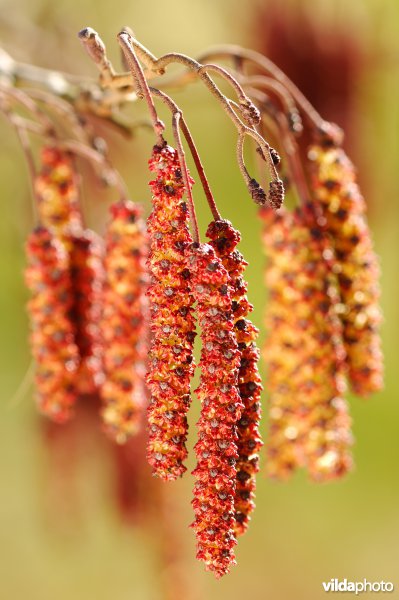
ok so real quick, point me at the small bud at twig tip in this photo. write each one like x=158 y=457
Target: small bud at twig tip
x=94 y=45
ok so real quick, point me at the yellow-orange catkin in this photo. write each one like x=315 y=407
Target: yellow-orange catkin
x=123 y=322
x=224 y=239
x=56 y=189
x=52 y=338
x=309 y=420
x=344 y=210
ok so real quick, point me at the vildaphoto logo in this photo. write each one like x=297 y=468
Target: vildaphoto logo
x=357 y=587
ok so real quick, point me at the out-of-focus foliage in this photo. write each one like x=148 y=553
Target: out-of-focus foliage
x=301 y=533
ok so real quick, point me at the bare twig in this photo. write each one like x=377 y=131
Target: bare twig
x=231 y=51
x=142 y=88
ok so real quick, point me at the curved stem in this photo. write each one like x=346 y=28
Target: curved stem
x=23 y=137
x=159 y=66
x=124 y=39
x=276 y=88
x=200 y=169
x=291 y=149
x=230 y=51
x=82 y=132
x=22 y=125
x=63 y=108
x=246 y=107
x=180 y=150
x=95 y=157
x=23 y=99
x=240 y=158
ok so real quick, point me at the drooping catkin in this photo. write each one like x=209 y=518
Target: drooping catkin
x=87 y=274
x=344 y=209
x=124 y=322
x=221 y=408
x=224 y=239
x=56 y=188
x=170 y=364
x=309 y=420
x=52 y=334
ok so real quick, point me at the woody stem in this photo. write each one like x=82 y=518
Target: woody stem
x=231 y=51
x=200 y=169
x=290 y=147
x=142 y=88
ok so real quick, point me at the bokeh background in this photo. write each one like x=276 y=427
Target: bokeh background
x=61 y=535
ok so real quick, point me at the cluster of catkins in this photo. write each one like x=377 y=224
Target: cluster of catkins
x=86 y=306
x=192 y=282
x=322 y=318
x=113 y=317
x=116 y=318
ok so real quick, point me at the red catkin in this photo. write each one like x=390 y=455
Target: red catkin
x=52 y=338
x=171 y=365
x=87 y=274
x=56 y=188
x=224 y=239
x=221 y=408
x=123 y=322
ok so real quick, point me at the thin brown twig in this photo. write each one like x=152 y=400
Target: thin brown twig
x=194 y=152
x=279 y=91
x=179 y=147
x=158 y=65
x=290 y=147
x=114 y=178
x=22 y=98
x=228 y=51
x=142 y=90
x=200 y=169
x=21 y=131
x=62 y=108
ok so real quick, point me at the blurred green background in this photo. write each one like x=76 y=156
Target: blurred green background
x=301 y=533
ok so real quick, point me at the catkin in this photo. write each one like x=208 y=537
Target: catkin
x=123 y=322
x=344 y=210
x=224 y=239
x=221 y=408
x=52 y=334
x=87 y=274
x=170 y=363
x=309 y=420
x=56 y=189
